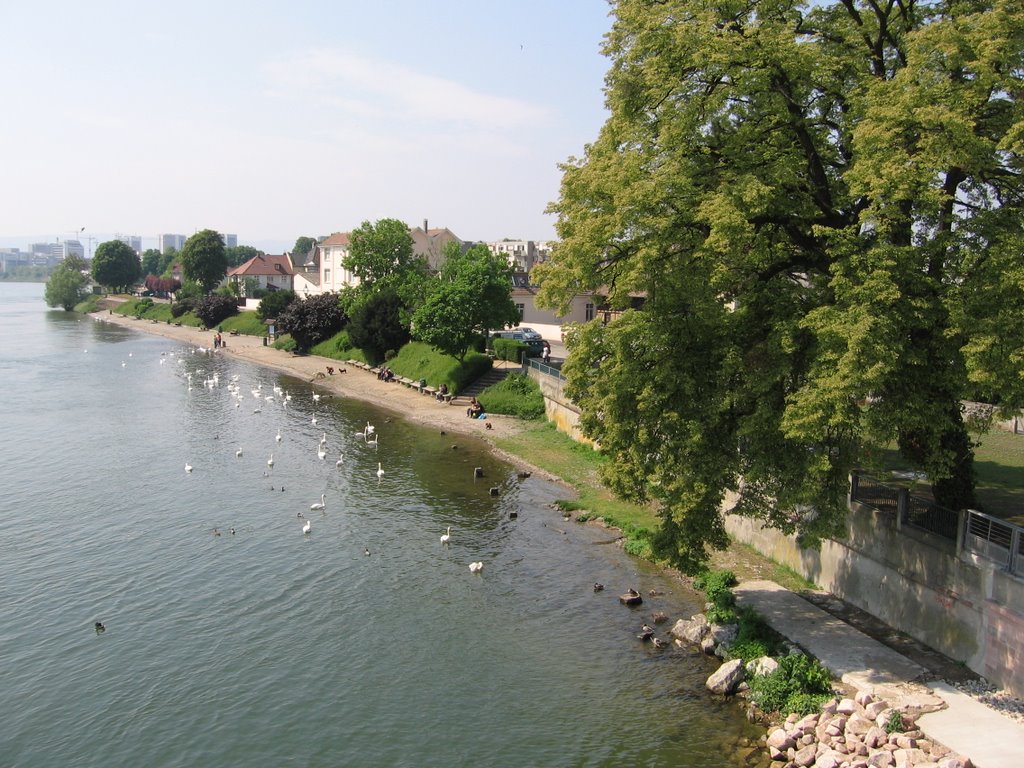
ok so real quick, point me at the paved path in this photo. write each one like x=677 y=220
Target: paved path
x=954 y=719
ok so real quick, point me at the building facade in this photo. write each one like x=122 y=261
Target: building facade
x=523 y=255
x=263 y=272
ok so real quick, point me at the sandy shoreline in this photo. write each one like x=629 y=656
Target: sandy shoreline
x=355 y=383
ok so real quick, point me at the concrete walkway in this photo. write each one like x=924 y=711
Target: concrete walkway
x=953 y=719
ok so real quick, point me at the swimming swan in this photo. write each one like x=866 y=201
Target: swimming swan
x=307 y=527
x=446 y=536
x=319 y=504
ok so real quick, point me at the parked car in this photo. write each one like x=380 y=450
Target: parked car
x=536 y=346
x=528 y=333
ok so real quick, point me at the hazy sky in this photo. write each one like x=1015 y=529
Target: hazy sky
x=272 y=120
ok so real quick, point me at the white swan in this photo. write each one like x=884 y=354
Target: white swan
x=446 y=536
x=371 y=441
x=322 y=504
x=238 y=453
x=278 y=436
x=270 y=461
x=321 y=453
x=369 y=428
x=188 y=467
x=313 y=421
x=476 y=567
x=323 y=439
x=316 y=397
x=380 y=471
x=307 y=527
x=340 y=461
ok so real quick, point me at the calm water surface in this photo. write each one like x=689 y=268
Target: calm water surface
x=271 y=647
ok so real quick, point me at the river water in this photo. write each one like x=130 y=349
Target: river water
x=268 y=646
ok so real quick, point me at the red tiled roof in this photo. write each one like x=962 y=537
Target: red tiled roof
x=338 y=238
x=263 y=265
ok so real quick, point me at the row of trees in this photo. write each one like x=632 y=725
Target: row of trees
x=398 y=296
x=823 y=206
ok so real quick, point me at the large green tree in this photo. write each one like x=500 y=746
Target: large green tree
x=303 y=245
x=67 y=284
x=152 y=262
x=381 y=256
x=471 y=295
x=115 y=265
x=237 y=255
x=377 y=327
x=203 y=259
x=822 y=204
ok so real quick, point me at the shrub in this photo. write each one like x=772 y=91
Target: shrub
x=215 y=308
x=515 y=395
x=717 y=587
x=800 y=684
x=182 y=306
x=312 y=320
x=273 y=303
x=509 y=349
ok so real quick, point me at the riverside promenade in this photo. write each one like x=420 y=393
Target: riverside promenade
x=952 y=718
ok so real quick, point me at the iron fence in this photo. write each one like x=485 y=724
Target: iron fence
x=994 y=539
x=929 y=516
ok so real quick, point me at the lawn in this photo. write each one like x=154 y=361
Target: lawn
x=998 y=464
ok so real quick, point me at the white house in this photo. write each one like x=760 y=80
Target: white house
x=268 y=272
x=333 y=276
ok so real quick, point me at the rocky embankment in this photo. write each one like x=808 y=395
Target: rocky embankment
x=861 y=731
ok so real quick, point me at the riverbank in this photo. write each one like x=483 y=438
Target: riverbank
x=344 y=382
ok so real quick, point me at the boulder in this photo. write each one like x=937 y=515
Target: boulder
x=724 y=634
x=726 y=678
x=780 y=739
x=805 y=757
x=694 y=630
x=875 y=737
x=762 y=666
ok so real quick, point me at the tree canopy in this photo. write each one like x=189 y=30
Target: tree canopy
x=203 y=259
x=116 y=265
x=236 y=255
x=376 y=326
x=822 y=206
x=66 y=285
x=303 y=245
x=381 y=256
x=152 y=262
x=471 y=295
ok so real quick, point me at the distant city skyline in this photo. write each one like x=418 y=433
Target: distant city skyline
x=306 y=119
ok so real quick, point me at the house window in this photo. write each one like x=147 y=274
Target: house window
x=589 y=312
x=522 y=310
x=327 y=275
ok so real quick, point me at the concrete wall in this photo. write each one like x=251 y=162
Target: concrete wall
x=558 y=408
x=962 y=606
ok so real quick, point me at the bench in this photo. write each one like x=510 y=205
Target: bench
x=405 y=381
x=234 y=332
x=432 y=391
x=448 y=398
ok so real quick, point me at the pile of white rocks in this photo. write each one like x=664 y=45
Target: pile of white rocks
x=847 y=733
x=853 y=733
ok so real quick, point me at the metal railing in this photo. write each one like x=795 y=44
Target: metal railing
x=996 y=540
x=984 y=535
x=545 y=368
